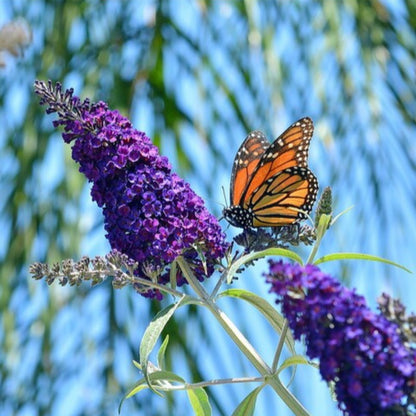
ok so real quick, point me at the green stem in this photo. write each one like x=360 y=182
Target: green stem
x=234 y=380
x=320 y=232
x=280 y=345
x=219 y=284
x=241 y=341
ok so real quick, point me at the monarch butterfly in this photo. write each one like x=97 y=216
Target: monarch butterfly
x=271 y=185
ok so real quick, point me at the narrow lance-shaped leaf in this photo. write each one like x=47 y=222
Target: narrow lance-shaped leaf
x=247 y=406
x=275 y=319
x=143 y=383
x=140 y=385
x=358 y=256
x=161 y=353
x=199 y=402
x=152 y=334
x=294 y=360
x=258 y=255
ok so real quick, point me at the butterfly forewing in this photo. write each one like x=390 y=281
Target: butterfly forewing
x=289 y=149
x=245 y=162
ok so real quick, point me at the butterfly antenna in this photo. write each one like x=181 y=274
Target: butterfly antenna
x=225 y=199
x=223 y=205
x=225 y=196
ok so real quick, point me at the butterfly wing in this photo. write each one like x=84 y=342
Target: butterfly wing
x=281 y=185
x=284 y=198
x=288 y=150
x=246 y=161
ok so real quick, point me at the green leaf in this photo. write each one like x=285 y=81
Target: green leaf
x=165 y=376
x=152 y=334
x=294 y=360
x=358 y=256
x=199 y=401
x=161 y=353
x=201 y=255
x=341 y=213
x=152 y=377
x=275 y=319
x=140 y=385
x=258 y=255
x=246 y=407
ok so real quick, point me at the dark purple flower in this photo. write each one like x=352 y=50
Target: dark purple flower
x=151 y=214
x=359 y=350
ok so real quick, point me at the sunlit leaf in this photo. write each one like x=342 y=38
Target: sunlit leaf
x=161 y=353
x=139 y=386
x=275 y=319
x=258 y=255
x=338 y=216
x=152 y=334
x=165 y=376
x=294 y=360
x=358 y=256
x=247 y=406
x=199 y=402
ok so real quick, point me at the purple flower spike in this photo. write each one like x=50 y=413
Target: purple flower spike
x=151 y=214
x=359 y=350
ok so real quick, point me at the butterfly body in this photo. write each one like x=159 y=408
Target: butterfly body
x=271 y=184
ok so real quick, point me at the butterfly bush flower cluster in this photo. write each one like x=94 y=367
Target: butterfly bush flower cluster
x=359 y=350
x=395 y=312
x=151 y=214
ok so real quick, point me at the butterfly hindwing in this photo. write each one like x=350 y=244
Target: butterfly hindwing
x=245 y=162
x=284 y=198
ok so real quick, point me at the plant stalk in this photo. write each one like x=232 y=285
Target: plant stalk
x=323 y=225
x=243 y=344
